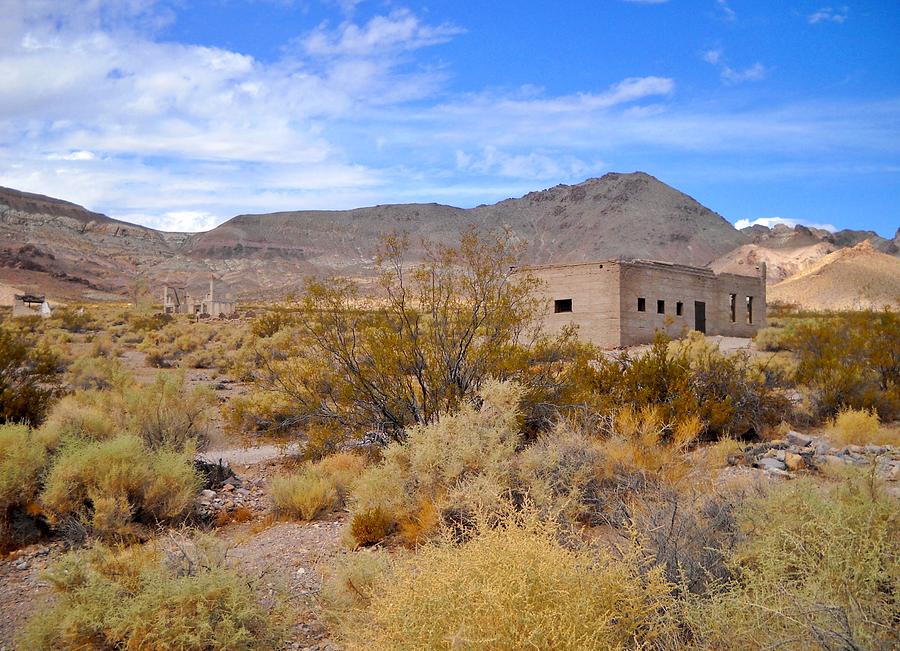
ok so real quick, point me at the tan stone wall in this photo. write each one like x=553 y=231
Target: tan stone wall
x=678 y=284
x=670 y=285
x=605 y=296
x=594 y=291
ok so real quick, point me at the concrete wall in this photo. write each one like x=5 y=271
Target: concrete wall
x=217 y=307
x=605 y=297
x=594 y=291
x=671 y=284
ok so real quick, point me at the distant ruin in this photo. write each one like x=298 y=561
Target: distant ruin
x=31 y=305
x=177 y=300
x=618 y=303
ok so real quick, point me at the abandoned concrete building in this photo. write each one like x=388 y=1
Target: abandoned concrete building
x=618 y=303
x=177 y=300
x=31 y=305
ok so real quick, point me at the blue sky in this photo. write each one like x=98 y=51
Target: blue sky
x=181 y=114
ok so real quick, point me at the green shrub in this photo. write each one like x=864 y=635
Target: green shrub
x=771 y=339
x=130 y=598
x=97 y=373
x=560 y=474
x=117 y=488
x=462 y=462
x=24 y=457
x=820 y=569
x=318 y=487
x=73 y=319
x=850 y=360
x=29 y=379
x=165 y=413
x=511 y=586
x=80 y=415
x=271 y=322
x=684 y=379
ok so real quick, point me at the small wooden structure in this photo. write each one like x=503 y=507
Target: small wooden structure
x=31 y=305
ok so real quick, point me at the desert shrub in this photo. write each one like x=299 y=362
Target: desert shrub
x=440 y=330
x=771 y=339
x=24 y=457
x=560 y=474
x=685 y=379
x=73 y=319
x=317 y=487
x=109 y=598
x=510 y=586
x=371 y=526
x=644 y=442
x=850 y=360
x=117 y=488
x=97 y=373
x=461 y=463
x=817 y=570
x=165 y=413
x=304 y=496
x=859 y=427
x=350 y=581
x=271 y=322
x=264 y=412
x=145 y=322
x=80 y=415
x=29 y=379
x=691 y=534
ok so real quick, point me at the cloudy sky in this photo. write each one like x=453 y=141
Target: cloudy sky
x=179 y=114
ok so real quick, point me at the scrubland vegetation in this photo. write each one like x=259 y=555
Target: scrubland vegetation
x=503 y=488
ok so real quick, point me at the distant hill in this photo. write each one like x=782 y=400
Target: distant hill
x=789 y=250
x=615 y=216
x=850 y=278
x=618 y=215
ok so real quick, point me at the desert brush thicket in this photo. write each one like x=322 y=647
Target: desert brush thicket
x=512 y=584
x=496 y=558
x=136 y=597
x=112 y=463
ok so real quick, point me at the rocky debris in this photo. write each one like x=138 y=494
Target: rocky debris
x=22 y=588
x=234 y=493
x=797 y=452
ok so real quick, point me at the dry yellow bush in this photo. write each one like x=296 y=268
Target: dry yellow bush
x=462 y=462
x=859 y=427
x=304 y=496
x=643 y=442
x=114 y=488
x=109 y=598
x=318 y=487
x=817 y=569
x=511 y=586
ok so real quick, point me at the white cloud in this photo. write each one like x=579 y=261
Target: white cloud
x=531 y=165
x=399 y=31
x=756 y=72
x=98 y=111
x=731 y=76
x=829 y=15
x=712 y=56
x=726 y=12
x=769 y=222
x=80 y=154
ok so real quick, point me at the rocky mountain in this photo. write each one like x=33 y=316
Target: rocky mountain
x=618 y=215
x=69 y=252
x=850 y=278
x=789 y=250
